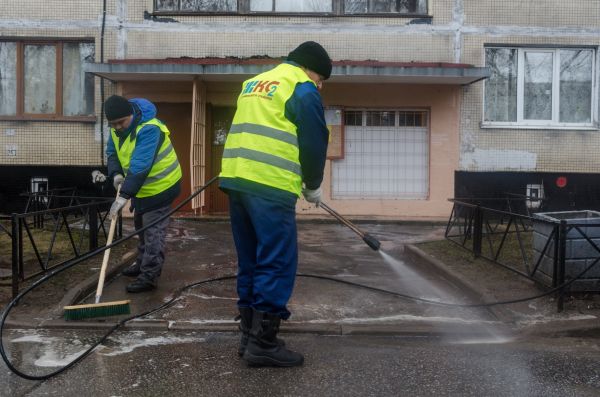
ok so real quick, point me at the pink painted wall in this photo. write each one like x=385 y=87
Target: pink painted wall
x=443 y=103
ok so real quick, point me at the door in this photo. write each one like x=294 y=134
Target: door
x=178 y=119
x=220 y=121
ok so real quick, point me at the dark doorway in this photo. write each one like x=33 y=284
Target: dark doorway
x=178 y=118
x=219 y=122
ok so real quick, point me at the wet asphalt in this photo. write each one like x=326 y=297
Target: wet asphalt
x=356 y=340
x=136 y=363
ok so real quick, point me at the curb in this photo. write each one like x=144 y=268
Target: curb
x=89 y=284
x=72 y=296
x=473 y=290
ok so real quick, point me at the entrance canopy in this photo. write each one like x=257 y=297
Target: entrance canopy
x=226 y=69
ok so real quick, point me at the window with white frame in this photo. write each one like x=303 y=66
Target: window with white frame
x=42 y=79
x=546 y=87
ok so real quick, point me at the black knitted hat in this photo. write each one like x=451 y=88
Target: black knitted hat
x=312 y=56
x=117 y=107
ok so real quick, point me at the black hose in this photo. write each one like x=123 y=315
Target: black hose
x=229 y=277
x=70 y=264
x=178 y=293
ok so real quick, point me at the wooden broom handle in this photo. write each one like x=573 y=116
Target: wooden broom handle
x=109 y=239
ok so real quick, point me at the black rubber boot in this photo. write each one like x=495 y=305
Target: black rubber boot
x=263 y=348
x=245 y=325
x=132 y=270
x=245 y=318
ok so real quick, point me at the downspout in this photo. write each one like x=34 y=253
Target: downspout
x=102 y=84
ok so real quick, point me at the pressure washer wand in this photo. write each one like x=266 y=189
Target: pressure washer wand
x=367 y=238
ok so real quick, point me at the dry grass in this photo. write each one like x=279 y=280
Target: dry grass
x=56 y=287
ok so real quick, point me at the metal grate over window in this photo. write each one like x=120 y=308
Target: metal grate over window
x=386 y=155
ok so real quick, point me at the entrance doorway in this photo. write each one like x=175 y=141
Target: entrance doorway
x=178 y=118
x=220 y=118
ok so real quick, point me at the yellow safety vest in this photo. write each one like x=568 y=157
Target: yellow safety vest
x=165 y=171
x=262 y=145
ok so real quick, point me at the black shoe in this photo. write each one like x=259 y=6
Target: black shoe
x=263 y=348
x=140 y=286
x=132 y=270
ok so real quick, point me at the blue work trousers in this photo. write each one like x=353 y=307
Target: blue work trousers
x=265 y=237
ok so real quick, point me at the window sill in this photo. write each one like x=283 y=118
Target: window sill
x=537 y=127
x=76 y=119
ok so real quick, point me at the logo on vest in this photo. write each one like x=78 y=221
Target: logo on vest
x=260 y=88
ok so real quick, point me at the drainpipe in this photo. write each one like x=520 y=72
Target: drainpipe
x=102 y=84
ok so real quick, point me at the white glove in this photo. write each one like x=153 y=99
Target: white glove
x=118 y=180
x=312 y=196
x=98 y=177
x=118 y=204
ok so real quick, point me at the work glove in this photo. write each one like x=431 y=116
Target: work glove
x=116 y=206
x=312 y=195
x=118 y=180
x=98 y=177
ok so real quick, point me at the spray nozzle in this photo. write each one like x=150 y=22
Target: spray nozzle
x=371 y=242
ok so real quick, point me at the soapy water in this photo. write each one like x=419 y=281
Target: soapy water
x=481 y=332
x=45 y=350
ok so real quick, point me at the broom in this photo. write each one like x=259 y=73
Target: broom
x=97 y=309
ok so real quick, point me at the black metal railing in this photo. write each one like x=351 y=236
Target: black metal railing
x=44 y=239
x=52 y=198
x=546 y=250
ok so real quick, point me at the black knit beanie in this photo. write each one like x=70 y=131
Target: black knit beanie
x=117 y=107
x=312 y=56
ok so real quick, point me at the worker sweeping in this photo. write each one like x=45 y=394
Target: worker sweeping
x=143 y=162
x=275 y=151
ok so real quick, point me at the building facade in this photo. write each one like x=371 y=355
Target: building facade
x=428 y=99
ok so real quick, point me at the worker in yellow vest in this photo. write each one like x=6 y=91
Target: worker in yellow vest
x=274 y=153
x=142 y=160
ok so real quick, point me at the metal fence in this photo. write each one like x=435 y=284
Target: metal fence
x=44 y=239
x=548 y=251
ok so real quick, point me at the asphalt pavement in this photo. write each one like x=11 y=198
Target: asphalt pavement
x=343 y=287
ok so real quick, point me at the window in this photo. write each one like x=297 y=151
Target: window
x=45 y=80
x=291 y=5
x=385 y=7
x=196 y=5
x=539 y=87
x=336 y=7
x=386 y=155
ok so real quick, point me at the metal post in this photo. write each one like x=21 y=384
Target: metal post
x=555 y=256
x=20 y=234
x=562 y=250
x=15 y=254
x=477 y=231
x=93 y=225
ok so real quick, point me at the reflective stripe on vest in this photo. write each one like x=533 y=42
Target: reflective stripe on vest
x=262 y=145
x=165 y=171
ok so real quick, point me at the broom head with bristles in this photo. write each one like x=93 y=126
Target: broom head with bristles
x=105 y=309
